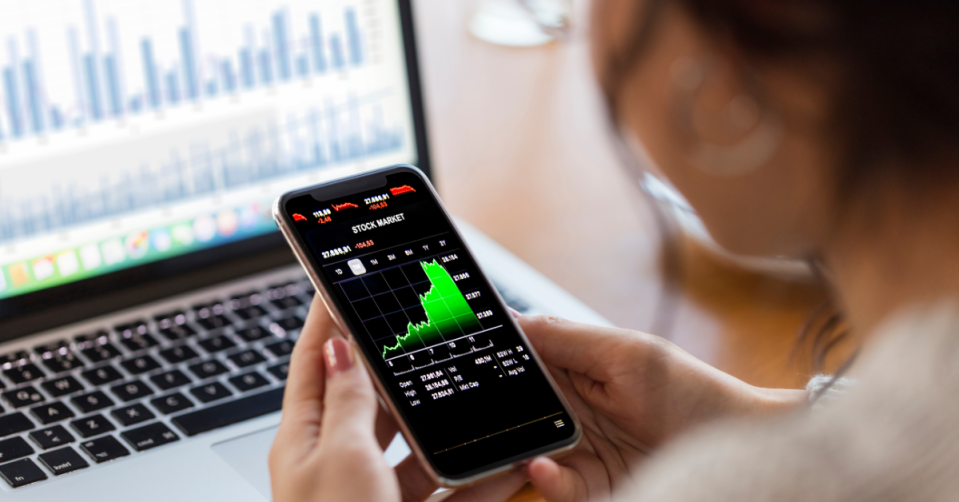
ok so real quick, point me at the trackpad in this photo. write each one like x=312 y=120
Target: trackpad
x=248 y=456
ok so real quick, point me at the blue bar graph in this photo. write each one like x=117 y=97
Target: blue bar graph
x=246 y=67
x=337 y=51
x=266 y=67
x=316 y=44
x=290 y=48
x=302 y=66
x=150 y=73
x=226 y=73
x=113 y=84
x=93 y=86
x=13 y=101
x=56 y=118
x=319 y=136
x=172 y=87
x=31 y=89
x=280 y=42
x=353 y=36
x=188 y=63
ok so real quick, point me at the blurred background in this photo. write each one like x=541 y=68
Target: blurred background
x=521 y=151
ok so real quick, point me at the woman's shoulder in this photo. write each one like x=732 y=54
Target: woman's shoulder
x=894 y=435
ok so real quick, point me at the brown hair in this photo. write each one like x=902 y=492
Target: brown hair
x=895 y=98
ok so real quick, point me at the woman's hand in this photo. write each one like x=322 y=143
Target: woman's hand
x=330 y=442
x=632 y=392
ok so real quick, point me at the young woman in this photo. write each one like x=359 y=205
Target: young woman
x=825 y=129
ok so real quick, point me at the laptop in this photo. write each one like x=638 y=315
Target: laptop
x=148 y=305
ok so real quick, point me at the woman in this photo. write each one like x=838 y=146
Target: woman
x=824 y=129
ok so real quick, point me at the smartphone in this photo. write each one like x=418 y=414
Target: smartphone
x=470 y=395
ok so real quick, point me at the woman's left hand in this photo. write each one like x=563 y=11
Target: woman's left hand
x=331 y=438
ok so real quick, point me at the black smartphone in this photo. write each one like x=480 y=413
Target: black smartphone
x=471 y=396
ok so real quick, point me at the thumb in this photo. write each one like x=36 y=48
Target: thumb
x=572 y=345
x=349 y=405
x=556 y=483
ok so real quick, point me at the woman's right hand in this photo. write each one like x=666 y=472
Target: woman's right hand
x=632 y=392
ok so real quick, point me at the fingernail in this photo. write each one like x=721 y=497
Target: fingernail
x=515 y=312
x=339 y=357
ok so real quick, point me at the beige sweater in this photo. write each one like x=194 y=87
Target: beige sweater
x=894 y=436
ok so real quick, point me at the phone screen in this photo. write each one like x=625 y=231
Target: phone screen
x=429 y=322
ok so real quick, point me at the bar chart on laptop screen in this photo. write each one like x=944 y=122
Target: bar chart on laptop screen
x=130 y=130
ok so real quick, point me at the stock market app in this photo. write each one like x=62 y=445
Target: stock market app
x=431 y=325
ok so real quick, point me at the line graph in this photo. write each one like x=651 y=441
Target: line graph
x=447 y=311
x=417 y=315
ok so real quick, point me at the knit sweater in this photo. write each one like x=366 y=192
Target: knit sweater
x=893 y=436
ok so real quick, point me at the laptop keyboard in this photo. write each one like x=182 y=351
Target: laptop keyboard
x=126 y=389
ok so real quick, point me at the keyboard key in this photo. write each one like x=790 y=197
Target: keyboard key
x=246 y=358
x=210 y=392
x=173 y=325
x=282 y=298
x=22 y=472
x=62 y=386
x=248 y=381
x=170 y=319
x=104 y=449
x=52 y=412
x=132 y=329
x=87 y=340
x=207 y=369
x=49 y=349
x=230 y=412
x=279 y=370
x=133 y=414
x=24 y=396
x=251 y=312
x=102 y=376
x=138 y=365
x=139 y=342
x=177 y=332
x=63 y=461
x=254 y=333
x=131 y=390
x=101 y=352
x=51 y=437
x=214 y=322
x=171 y=404
x=23 y=373
x=170 y=379
x=216 y=344
x=288 y=324
x=149 y=436
x=92 y=401
x=58 y=363
x=281 y=348
x=92 y=425
x=210 y=316
x=13 y=423
x=178 y=354
x=19 y=356
x=14 y=448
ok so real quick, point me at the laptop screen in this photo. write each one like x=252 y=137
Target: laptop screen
x=138 y=131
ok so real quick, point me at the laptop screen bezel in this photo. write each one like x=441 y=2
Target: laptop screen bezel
x=68 y=303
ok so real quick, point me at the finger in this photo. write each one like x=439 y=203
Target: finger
x=556 y=483
x=495 y=489
x=575 y=346
x=303 y=396
x=350 y=405
x=415 y=484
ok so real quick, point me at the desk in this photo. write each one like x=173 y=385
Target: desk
x=520 y=152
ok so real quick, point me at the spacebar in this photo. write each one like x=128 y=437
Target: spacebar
x=229 y=413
